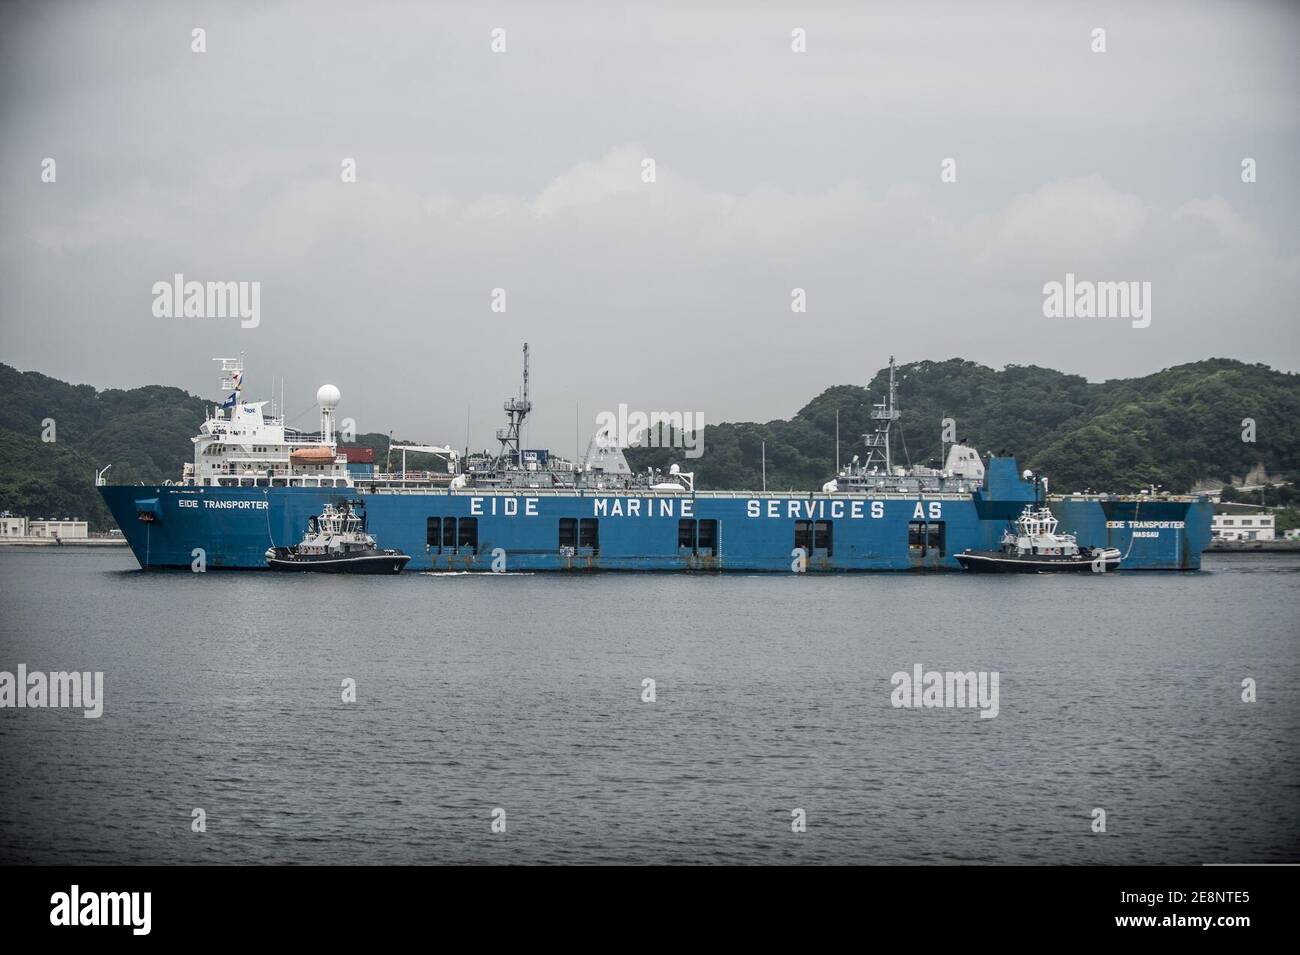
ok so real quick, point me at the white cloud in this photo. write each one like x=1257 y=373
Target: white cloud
x=618 y=171
x=1078 y=223
x=1217 y=211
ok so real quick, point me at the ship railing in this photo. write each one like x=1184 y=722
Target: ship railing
x=219 y=471
x=1101 y=496
x=410 y=476
x=364 y=484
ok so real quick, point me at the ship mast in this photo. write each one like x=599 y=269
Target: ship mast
x=884 y=413
x=232 y=379
x=517 y=409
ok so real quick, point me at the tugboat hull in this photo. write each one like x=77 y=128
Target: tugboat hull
x=997 y=562
x=361 y=564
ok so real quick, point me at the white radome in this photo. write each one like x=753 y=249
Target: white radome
x=328 y=396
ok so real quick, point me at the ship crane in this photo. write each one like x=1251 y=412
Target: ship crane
x=446 y=451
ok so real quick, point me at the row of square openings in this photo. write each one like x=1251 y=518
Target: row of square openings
x=576 y=536
x=448 y=535
x=581 y=536
x=817 y=538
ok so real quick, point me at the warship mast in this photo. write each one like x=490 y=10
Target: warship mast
x=884 y=413
x=509 y=436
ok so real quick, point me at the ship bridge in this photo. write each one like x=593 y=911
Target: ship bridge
x=240 y=444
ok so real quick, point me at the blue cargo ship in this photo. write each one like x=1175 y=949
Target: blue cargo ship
x=255 y=484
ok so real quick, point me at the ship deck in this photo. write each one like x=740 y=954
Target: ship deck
x=667 y=495
x=366 y=488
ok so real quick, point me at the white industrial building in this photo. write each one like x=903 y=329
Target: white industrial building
x=21 y=527
x=1242 y=526
x=11 y=526
x=64 y=530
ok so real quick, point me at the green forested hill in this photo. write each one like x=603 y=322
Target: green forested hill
x=1173 y=428
x=144 y=433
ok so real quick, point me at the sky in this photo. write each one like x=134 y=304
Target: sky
x=525 y=170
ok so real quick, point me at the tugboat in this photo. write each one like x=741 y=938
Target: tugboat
x=1036 y=548
x=337 y=543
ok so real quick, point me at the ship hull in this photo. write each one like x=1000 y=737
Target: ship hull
x=990 y=562
x=173 y=526
x=372 y=564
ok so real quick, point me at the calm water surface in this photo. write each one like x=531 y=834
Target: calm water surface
x=223 y=692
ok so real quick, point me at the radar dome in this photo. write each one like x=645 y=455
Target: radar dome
x=1028 y=474
x=328 y=396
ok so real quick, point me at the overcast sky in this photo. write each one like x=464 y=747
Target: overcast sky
x=522 y=170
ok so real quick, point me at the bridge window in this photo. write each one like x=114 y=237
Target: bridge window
x=589 y=534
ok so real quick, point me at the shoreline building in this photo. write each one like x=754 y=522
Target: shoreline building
x=1242 y=522
x=13 y=528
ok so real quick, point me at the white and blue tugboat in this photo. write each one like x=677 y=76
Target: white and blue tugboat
x=337 y=543
x=1037 y=548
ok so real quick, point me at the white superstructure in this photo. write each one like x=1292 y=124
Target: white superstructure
x=1036 y=535
x=337 y=531
x=241 y=445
